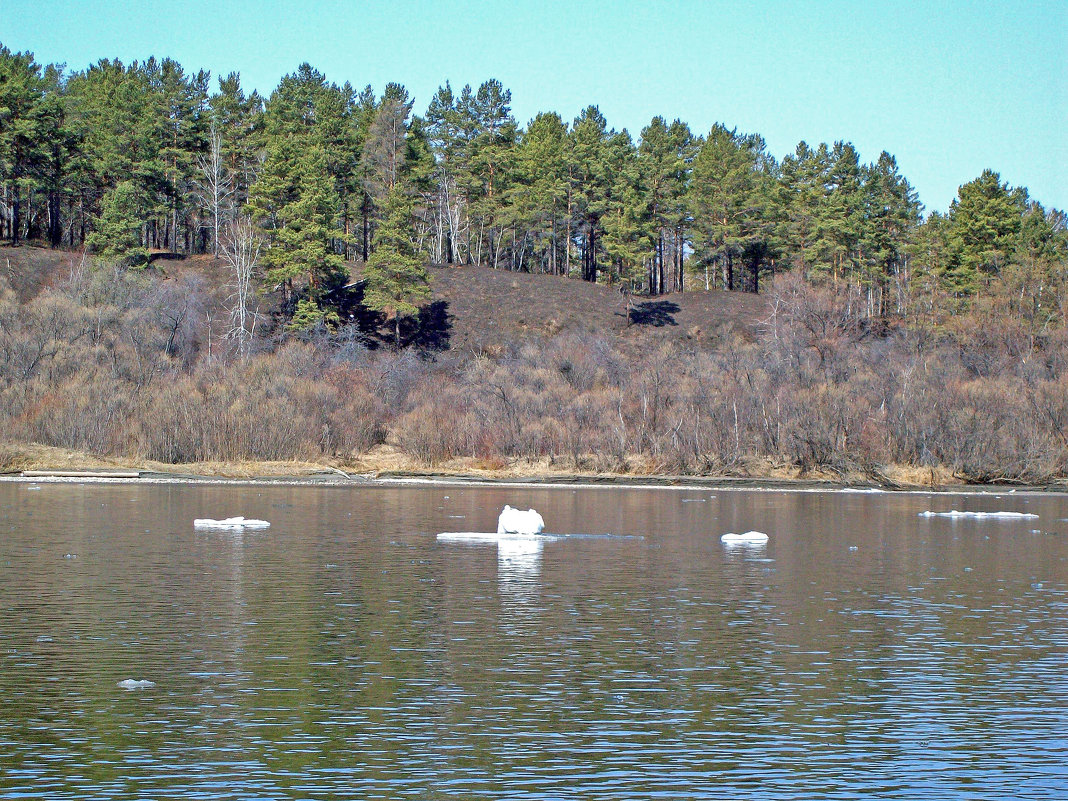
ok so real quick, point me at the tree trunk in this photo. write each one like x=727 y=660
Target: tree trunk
x=55 y=224
x=678 y=259
x=366 y=225
x=16 y=210
x=659 y=263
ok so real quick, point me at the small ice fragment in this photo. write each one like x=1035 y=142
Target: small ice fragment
x=748 y=538
x=136 y=684
x=516 y=521
x=480 y=537
x=981 y=515
x=70 y=556
x=852 y=547
x=230 y=523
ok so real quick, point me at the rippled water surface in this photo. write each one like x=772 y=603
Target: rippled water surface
x=346 y=653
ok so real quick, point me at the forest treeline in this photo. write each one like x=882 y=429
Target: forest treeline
x=125 y=159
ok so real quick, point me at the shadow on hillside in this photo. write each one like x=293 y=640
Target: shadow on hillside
x=431 y=329
x=657 y=313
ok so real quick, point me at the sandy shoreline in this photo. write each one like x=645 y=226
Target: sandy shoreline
x=388 y=467
x=573 y=482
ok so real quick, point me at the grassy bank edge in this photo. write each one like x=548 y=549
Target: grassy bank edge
x=385 y=463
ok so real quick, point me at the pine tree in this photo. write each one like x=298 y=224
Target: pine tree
x=801 y=196
x=236 y=119
x=118 y=230
x=839 y=218
x=590 y=182
x=385 y=150
x=445 y=136
x=891 y=215
x=984 y=221
x=538 y=196
x=730 y=197
x=665 y=153
x=397 y=277
x=295 y=204
x=30 y=125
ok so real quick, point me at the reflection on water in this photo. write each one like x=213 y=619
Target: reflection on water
x=345 y=652
x=518 y=562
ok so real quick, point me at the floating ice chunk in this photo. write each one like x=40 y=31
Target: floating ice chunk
x=748 y=538
x=516 y=521
x=136 y=684
x=230 y=523
x=493 y=537
x=981 y=515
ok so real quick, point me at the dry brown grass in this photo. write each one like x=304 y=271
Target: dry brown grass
x=385 y=461
x=490 y=309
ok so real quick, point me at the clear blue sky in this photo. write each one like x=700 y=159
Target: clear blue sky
x=950 y=88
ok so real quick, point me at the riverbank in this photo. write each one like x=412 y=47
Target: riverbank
x=388 y=465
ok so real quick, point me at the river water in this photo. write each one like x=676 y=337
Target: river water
x=865 y=651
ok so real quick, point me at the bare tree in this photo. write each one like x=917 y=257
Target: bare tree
x=215 y=187
x=241 y=250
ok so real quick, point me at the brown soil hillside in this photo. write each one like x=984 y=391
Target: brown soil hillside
x=486 y=308
x=478 y=309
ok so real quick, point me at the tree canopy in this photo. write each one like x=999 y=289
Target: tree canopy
x=127 y=159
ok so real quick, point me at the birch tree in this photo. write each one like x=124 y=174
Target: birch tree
x=215 y=186
x=241 y=249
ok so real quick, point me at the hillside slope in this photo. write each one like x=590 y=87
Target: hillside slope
x=487 y=308
x=481 y=309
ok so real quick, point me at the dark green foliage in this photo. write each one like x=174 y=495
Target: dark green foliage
x=34 y=143
x=397 y=277
x=295 y=202
x=141 y=157
x=118 y=230
x=985 y=219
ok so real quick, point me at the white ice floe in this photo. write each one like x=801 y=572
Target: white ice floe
x=981 y=515
x=136 y=684
x=230 y=523
x=516 y=521
x=748 y=538
x=477 y=537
